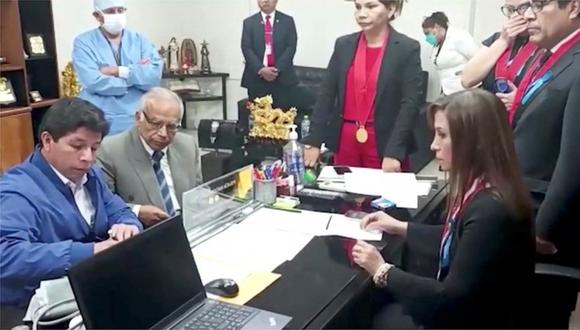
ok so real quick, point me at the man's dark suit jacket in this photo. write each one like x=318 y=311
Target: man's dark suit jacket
x=254 y=46
x=492 y=266
x=397 y=100
x=547 y=141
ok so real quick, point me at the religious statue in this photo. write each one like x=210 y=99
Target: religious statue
x=173 y=56
x=205 y=66
x=188 y=56
x=163 y=54
x=70 y=83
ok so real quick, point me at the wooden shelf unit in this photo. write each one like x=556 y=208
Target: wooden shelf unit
x=19 y=121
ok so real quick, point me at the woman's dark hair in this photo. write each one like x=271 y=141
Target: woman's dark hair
x=398 y=4
x=438 y=18
x=71 y=113
x=482 y=147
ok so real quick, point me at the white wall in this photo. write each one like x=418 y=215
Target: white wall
x=319 y=23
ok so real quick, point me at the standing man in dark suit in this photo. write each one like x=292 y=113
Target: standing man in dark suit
x=269 y=44
x=151 y=165
x=545 y=132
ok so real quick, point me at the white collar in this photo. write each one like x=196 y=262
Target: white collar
x=148 y=148
x=68 y=182
x=272 y=16
x=570 y=36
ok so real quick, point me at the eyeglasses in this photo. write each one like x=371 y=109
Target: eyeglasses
x=158 y=126
x=536 y=6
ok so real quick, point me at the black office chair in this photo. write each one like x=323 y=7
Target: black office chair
x=554 y=294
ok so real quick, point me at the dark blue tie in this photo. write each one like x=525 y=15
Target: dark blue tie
x=163 y=187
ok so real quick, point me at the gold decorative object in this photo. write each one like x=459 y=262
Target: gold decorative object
x=70 y=83
x=269 y=123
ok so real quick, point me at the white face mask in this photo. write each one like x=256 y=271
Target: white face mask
x=114 y=23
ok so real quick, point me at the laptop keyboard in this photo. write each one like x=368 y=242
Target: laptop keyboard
x=216 y=315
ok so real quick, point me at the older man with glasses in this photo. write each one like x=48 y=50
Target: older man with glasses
x=153 y=164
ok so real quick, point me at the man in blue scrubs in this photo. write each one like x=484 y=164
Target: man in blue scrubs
x=115 y=66
x=56 y=208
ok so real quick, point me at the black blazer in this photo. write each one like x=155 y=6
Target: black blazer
x=547 y=141
x=397 y=102
x=492 y=265
x=254 y=46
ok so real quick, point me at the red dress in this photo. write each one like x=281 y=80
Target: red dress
x=351 y=152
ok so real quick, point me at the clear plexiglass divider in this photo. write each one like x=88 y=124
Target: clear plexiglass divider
x=214 y=206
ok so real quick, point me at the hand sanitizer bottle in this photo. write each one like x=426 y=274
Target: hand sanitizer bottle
x=294 y=158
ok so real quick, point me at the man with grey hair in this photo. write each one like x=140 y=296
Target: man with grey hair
x=151 y=165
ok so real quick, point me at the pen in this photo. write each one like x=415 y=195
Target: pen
x=328 y=223
x=283 y=209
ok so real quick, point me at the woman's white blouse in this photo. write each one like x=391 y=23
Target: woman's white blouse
x=458 y=48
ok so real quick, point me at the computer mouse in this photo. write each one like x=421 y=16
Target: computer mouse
x=223 y=287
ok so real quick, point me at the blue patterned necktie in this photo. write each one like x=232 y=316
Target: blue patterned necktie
x=163 y=187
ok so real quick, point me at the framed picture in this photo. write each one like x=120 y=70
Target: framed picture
x=35 y=96
x=6 y=92
x=35 y=44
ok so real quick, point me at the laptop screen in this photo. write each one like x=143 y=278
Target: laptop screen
x=138 y=282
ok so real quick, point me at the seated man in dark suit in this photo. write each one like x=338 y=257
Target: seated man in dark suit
x=55 y=208
x=152 y=165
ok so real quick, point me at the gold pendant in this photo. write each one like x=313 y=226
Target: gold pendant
x=362 y=135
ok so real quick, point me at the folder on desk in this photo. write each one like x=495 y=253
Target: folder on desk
x=251 y=286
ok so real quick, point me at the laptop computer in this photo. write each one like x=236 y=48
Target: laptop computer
x=152 y=281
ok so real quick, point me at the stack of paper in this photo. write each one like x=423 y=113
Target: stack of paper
x=400 y=188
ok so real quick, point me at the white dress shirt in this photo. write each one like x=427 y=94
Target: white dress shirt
x=272 y=20
x=457 y=49
x=168 y=178
x=81 y=195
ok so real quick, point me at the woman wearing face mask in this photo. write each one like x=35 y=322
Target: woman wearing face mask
x=503 y=61
x=486 y=245
x=371 y=95
x=115 y=66
x=452 y=48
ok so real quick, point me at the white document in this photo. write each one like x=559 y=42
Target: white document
x=341 y=225
x=329 y=174
x=305 y=222
x=423 y=188
x=210 y=270
x=257 y=249
x=399 y=188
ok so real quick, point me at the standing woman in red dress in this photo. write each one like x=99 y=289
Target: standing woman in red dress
x=371 y=94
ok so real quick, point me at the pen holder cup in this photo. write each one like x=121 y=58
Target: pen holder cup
x=265 y=191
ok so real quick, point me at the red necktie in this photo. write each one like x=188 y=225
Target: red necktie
x=269 y=41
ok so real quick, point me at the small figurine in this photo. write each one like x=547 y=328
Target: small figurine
x=205 y=66
x=173 y=56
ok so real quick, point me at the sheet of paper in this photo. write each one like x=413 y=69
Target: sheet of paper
x=341 y=225
x=306 y=222
x=423 y=188
x=257 y=249
x=400 y=188
x=210 y=269
x=250 y=286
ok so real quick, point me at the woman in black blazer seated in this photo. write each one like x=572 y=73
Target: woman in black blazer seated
x=370 y=96
x=485 y=248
